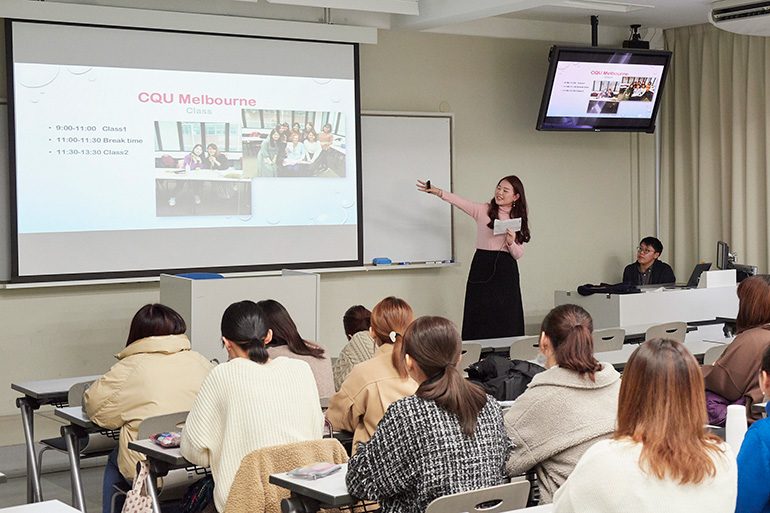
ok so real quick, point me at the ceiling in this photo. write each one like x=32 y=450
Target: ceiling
x=649 y=13
x=555 y=20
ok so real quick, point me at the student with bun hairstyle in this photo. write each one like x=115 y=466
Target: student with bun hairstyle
x=360 y=346
x=448 y=437
x=374 y=384
x=660 y=458
x=565 y=409
x=156 y=373
x=288 y=342
x=250 y=402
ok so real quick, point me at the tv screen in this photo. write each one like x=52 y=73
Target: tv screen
x=136 y=152
x=603 y=89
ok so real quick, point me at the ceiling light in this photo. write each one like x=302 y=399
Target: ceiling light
x=605 y=6
x=384 y=6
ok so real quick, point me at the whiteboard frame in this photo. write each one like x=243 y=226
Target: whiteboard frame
x=418 y=115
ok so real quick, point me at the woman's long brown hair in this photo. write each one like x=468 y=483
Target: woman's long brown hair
x=519 y=209
x=392 y=315
x=570 y=328
x=662 y=405
x=754 y=302
x=435 y=345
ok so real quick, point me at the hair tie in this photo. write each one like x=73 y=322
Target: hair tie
x=448 y=364
x=393 y=336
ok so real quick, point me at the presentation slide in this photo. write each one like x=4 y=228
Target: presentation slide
x=610 y=90
x=202 y=156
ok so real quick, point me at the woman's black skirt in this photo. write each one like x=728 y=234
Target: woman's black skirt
x=493 y=306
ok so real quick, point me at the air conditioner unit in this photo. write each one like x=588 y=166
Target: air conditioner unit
x=742 y=16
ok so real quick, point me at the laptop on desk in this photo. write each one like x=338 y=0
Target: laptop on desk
x=692 y=283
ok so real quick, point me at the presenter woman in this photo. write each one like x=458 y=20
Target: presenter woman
x=493 y=306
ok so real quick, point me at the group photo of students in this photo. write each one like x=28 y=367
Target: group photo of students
x=289 y=143
x=199 y=170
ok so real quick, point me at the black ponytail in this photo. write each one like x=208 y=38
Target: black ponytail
x=244 y=324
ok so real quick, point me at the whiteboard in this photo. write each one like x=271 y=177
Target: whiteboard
x=400 y=222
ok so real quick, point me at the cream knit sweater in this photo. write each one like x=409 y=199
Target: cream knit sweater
x=243 y=406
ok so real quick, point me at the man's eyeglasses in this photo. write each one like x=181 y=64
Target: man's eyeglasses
x=644 y=251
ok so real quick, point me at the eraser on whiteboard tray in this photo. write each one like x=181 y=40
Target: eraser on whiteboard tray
x=382 y=261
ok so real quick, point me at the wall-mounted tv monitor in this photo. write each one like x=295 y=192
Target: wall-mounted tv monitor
x=603 y=89
x=136 y=152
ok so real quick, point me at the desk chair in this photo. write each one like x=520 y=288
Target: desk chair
x=670 y=330
x=92 y=446
x=713 y=354
x=494 y=499
x=610 y=339
x=525 y=348
x=470 y=355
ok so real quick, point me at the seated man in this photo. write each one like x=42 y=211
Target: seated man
x=648 y=270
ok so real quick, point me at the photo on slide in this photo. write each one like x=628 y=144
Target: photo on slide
x=199 y=169
x=293 y=143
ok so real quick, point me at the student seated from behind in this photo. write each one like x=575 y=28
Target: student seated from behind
x=734 y=375
x=360 y=346
x=156 y=374
x=648 y=270
x=447 y=438
x=661 y=459
x=567 y=408
x=251 y=402
x=754 y=457
x=374 y=384
x=288 y=342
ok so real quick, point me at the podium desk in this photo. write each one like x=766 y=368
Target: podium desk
x=654 y=307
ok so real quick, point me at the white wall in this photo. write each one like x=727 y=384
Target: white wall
x=584 y=194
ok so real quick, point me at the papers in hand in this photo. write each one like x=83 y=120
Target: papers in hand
x=501 y=227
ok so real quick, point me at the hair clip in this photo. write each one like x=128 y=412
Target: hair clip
x=393 y=336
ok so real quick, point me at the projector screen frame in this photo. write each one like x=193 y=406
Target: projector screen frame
x=16 y=277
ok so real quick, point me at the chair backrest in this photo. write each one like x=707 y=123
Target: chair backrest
x=161 y=424
x=75 y=394
x=712 y=354
x=505 y=497
x=671 y=330
x=471 y=354
x=525 y=348
x=610 y=339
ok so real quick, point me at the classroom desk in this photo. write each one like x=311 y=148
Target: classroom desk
x=3 y=478
x=332 y=492
x=328 y=492
x=654 y=307
x=79 y=426
x=36 y=394
x=41 y=507
x=619 y=358
x=161 y=460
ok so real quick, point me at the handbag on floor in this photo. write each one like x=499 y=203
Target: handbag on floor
x=137 y=499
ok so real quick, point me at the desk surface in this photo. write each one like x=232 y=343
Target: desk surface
x=210 y=175
x=330 y=490
x=171 y=455
x=76 y=416
x=41 y=507
x=50 y=389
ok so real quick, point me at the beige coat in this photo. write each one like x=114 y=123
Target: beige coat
x=366 y=393
x=251 y=490
x=557 y=419
x=155 y=375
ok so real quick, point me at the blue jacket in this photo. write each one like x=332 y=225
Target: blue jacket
x=754 y=469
